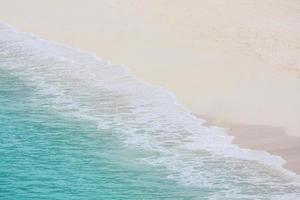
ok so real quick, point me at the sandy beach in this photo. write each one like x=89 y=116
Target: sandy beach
x=236 y=62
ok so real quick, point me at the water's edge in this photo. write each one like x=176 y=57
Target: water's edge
x=280 y=160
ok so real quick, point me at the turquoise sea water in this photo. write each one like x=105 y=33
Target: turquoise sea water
x=73 y=126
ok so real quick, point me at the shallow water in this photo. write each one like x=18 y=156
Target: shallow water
x=73 y=126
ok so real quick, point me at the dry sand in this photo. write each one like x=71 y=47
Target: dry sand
x=235 y=61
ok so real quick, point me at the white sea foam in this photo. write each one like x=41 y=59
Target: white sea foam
x=144 y=116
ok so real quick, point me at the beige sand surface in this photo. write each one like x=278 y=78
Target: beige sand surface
x=235 y=61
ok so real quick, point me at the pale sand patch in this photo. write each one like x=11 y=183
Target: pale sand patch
x=236 y=61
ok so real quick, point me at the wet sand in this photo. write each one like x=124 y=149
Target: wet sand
x=265 y=138
x=271 y=139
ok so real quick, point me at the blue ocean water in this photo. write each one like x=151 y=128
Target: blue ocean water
x=73 y=126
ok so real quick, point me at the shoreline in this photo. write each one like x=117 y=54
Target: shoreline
x=271 y=139
x=239 y=63
x=253 y=136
